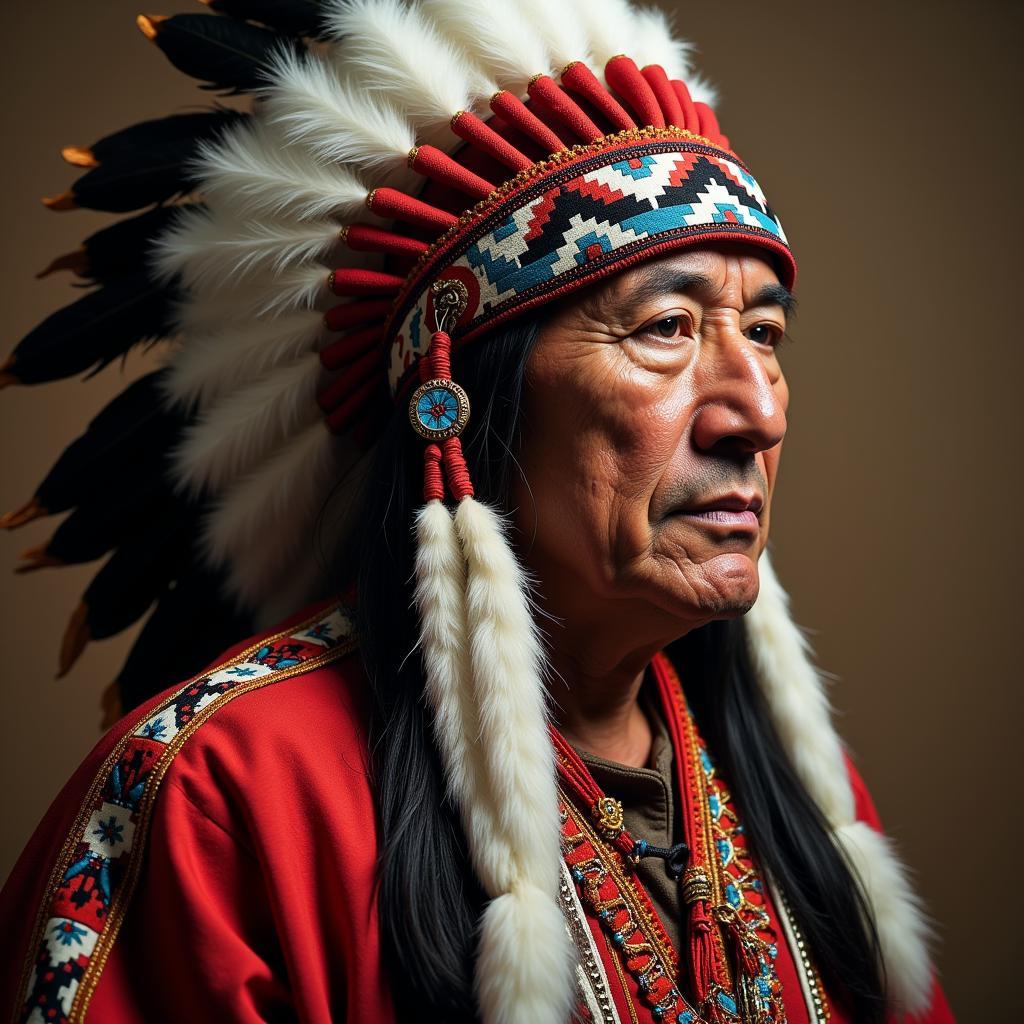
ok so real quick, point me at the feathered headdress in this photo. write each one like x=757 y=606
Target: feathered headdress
x=413 y=175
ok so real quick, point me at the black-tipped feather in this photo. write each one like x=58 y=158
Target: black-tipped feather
x=95 y=330
x=149 y=162
x=138 y=571
x=119 y=450
x=122 y=247
x=293 y=17
x=191 y=625
x=222 y=52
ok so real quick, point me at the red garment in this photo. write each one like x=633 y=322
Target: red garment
x=255 y=898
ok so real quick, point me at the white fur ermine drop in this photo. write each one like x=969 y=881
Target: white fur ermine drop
x=525 y=969
x=795 y=694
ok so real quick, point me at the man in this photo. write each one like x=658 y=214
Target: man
x=573 y=763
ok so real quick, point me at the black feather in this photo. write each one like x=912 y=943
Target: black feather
x=123 y=246
x=97 y=527
x=118 y=451
x=163 y=132
x=149 y=162
x=293 y=17
x=139 y=570
x=95 y=329
x=222 y=52
x=192 y=624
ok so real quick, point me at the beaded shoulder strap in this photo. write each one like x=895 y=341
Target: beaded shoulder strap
x=93 y=878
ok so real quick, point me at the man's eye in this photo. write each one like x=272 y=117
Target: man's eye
x=764 y=334
x=668 y=327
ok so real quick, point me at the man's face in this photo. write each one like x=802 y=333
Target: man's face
x=654 y=416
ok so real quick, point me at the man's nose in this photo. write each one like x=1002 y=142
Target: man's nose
x=741 y=409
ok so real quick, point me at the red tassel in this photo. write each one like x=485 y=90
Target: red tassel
x=354 y=314
x=519 y=115
x=484 y=138
x=662 y=89
x=578 y=77
x=350 y=347
x=692 y=121
x=624 y=77
x=395 y=205
x=456 y=470
x=433 y=481
x=355 y=281
x=432 y=163
x=547 y=96
x=367 y=238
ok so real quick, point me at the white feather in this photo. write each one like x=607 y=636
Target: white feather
x=390 y=49
x=610 y=28
x=236 y=434
x=655 y=43
x=254 y=170
x=215 y=249
x=267 y=518
x=562 y=33
x=903 y=928
x=702 y=91
x=496 y=37
x=215 y=362
x=311 y=105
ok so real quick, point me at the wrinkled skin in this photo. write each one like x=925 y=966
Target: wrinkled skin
x=648 y=394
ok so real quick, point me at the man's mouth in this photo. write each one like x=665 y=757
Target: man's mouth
x=734 y=510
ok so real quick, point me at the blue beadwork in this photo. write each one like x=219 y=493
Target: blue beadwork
x=438 y=409
x=618 y=938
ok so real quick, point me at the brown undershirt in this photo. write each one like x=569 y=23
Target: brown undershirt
x=650 y=809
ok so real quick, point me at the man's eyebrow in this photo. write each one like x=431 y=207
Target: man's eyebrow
x=775 y=295
x=664 y=280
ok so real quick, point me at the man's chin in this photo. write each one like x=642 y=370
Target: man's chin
x=728 y=584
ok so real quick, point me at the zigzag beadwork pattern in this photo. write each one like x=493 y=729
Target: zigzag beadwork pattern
x=91 y=883
x=594 y=213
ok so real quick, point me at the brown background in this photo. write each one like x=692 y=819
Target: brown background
x=888 y=137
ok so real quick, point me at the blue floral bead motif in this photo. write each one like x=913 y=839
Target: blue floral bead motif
x=577 y=876
x=618 y=938
x=438 y=409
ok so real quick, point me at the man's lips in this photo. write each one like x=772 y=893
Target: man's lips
x=732 y=510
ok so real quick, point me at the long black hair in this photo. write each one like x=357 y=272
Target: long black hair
x=429 y=900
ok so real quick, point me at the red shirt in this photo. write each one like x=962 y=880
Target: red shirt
x=248 y=890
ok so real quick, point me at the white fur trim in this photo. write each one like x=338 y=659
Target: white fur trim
x=525 y=970
x=796 y=697
x=903 y=929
